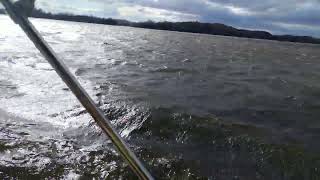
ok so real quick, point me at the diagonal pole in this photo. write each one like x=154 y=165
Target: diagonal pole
x=77 y=90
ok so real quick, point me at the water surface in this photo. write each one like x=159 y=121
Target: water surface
x=191 y=106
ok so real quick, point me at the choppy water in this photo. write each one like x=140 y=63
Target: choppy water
x=191 y=106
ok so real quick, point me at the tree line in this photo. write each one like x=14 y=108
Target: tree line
x=192 y=27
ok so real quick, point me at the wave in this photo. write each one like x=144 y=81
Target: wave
x=166 y=69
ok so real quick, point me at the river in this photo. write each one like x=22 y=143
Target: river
x=191 y=106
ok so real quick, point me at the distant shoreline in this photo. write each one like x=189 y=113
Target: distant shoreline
x=191 y=27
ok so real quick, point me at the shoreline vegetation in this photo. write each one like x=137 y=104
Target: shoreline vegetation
x=191 y=27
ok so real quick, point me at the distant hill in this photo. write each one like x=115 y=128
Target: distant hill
x=192 y=27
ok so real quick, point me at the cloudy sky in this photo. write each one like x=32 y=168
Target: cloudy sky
x=299 y=17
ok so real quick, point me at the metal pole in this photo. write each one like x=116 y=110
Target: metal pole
x=78 y=91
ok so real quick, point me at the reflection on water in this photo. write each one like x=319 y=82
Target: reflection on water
x=191 y=106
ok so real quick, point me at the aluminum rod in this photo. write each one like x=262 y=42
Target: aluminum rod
x=77 y=90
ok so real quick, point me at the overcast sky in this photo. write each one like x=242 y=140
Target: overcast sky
x=299 y=17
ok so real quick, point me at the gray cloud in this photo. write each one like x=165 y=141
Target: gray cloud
x=300 y=17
